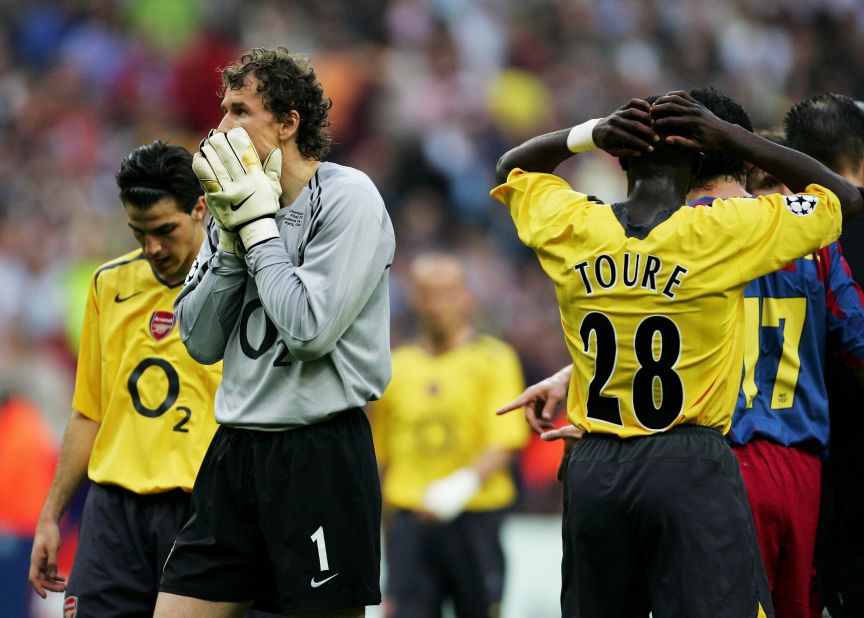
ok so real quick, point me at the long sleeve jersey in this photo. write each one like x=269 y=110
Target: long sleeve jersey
x=302 y=323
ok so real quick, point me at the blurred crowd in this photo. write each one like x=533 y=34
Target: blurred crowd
x=426 y=95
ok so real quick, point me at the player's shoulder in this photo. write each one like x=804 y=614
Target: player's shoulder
x=332 y=176
x=491 y=349
x=333 y=184
x=540 y=180
x=119 y=267
x=407 y=352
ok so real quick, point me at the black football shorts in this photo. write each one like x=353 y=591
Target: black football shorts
x=659 y=523
x=123 y=542
x=429 y=562
x=287 y=519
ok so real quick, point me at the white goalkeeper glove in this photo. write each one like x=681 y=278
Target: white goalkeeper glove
x=242 y=195
x=447 y=497
x=229 y=241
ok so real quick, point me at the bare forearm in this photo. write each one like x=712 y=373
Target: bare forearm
x=539 y=154
x=491 y=461
x=794 y=169
x=72 y=468
x=564 y=373
x=626 y=132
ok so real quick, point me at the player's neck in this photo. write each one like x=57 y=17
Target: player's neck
x=297 y=171
x=853 y=174
x=650 y=195
x=721 y=188
x=440 y=343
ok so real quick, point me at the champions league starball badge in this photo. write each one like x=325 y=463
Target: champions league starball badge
x=801 y=205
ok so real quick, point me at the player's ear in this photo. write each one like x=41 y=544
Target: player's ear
x=698 y=160
x=198 y=210
x=289 y=126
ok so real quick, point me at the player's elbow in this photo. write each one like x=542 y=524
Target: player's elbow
x=311 y=350
x=849 y=196
x=853 y=202
x=201 y=352
x=503 y=168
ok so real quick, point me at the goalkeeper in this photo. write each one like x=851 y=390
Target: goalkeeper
x=286 y=509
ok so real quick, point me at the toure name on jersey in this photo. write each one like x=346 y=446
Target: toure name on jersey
x=647 y=271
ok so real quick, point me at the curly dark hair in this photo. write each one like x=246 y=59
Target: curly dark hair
x=287 y=81
x=155 y=171
x=828 y=127
x=718 y=164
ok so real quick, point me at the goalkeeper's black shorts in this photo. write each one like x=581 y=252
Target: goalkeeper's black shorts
x=290 y=520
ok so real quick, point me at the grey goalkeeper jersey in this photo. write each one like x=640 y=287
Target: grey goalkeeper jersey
x=303 y=323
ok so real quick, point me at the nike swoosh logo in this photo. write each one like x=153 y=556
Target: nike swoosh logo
x=241 y=202
x=117 y=298
x=315 y=584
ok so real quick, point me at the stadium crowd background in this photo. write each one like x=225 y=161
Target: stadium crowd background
x=427 y=94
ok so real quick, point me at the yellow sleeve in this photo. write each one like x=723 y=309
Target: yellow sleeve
x=543 y=206
x=773 y=230
x=508 y=431
x=87 y=398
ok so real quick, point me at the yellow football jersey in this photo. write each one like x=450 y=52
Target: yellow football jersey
x=654 y=325
x=153 y=402
x=438 y=415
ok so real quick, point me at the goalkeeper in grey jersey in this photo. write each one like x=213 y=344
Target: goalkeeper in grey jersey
x=291 y=291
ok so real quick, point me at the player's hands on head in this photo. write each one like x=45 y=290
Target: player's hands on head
x=541 y=402
x=241 y=193
x=43 y=560
x=687 y=123
x=626 y=132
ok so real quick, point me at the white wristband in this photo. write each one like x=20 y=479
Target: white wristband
x=447 y=497
x=228 y=241
x=580 y=137
x=258 y=231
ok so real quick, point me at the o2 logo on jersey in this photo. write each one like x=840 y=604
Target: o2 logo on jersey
x=161 y=324
x=801 y=205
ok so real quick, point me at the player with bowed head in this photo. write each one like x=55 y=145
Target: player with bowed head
x=656 y=515
x=142 y=411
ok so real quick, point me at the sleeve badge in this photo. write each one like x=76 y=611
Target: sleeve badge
x=802 y=204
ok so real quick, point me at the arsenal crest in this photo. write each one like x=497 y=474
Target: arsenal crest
x=70 y=607
x=161 y=324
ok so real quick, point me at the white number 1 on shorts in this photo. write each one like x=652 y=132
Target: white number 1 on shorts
x=318 y=539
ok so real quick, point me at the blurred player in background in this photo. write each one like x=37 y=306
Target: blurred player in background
x=792 y=318
x=142 y=414
x=444 y=457
x=830 y=128
x=295 y=299
x=656 y=516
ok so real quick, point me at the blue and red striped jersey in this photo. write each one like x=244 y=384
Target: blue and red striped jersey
x=793 y=317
